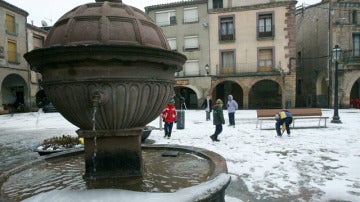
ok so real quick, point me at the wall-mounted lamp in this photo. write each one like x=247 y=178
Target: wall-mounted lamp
x=207 y=69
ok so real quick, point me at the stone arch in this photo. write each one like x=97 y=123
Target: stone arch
x=351 y=89
x=227 y=87
x=191 y=95
x=322 y=92
x=14 y=93
x=265 y=94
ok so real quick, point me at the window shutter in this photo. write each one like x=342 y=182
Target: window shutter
x=172 y=43
x=191 y=68
x=191 y=42
x=191 y=15
x=164 y=18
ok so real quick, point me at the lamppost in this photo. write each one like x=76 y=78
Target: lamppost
x=207 y=69
x=336 y=58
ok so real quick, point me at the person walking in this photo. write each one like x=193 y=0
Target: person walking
x=232 y=106
x=169 y=116
x=208 y=107
x=218 y=119
x=283 y=118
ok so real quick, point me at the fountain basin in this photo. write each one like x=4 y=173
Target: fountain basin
x=210 y=186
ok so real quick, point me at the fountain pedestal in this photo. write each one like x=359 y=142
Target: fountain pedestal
x=112 y=153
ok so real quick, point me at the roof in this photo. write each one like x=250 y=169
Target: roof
x=13 y=8
x=174 y=4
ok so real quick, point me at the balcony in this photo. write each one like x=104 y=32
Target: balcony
x=263 y=33
x=229 y=36
x=246 y=69
x=241 y=69
x=350 y=57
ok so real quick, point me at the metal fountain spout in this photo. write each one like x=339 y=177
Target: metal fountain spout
x=96 y=99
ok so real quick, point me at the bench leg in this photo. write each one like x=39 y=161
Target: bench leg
x=293 y=123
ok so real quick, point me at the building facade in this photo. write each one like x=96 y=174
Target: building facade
x=14 y=72
x=252 y=52
x=35 y=39
x=248 y=48
x=186 y=26
x=320 y=27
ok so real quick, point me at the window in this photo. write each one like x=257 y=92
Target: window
x=356 y=45
x=191 y=42
x=191 y=15
x=227 y=30
x=227 y=62
x=2 y=54
x=172 y=43
x=265 y=25
x=354 y=17
x=38 y=41
x=265 y=60
x=10 y=23
x=191 y=68
x=164 y=18
x=12 y=54
x=217 y=4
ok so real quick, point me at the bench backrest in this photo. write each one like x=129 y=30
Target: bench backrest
x=295 y=112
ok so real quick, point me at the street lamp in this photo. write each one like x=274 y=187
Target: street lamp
x=336 y=58
x=207 y=69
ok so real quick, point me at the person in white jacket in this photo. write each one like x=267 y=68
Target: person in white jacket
x=232 y=106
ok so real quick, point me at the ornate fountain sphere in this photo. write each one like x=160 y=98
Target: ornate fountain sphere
x=111 y=49
x=109 y=70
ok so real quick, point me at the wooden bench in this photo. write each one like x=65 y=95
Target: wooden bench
x=299 y=113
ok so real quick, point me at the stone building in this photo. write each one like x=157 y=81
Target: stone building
x=320 y=27
x=186 y=26
x=248 y=47
x=35 y=38
x=18 y=84
x=14 y=72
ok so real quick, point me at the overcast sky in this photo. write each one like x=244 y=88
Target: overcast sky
x=52 y=10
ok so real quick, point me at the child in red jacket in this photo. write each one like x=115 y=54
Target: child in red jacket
x=169 y=116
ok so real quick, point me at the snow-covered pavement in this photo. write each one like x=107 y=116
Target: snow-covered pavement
x=316 y=164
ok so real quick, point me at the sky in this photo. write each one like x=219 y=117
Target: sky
x=314 y=164
x=51 y=11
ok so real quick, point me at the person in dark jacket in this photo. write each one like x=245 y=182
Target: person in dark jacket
x=169 y=116
x=218 y=119
x=208 y=107
x=283 y=119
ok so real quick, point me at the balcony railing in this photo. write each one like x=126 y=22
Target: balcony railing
x=349 y=56
x=241 y=69
x=227 y=37
x=245 y=69
x=265 y=34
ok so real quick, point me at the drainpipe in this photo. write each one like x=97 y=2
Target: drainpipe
x=28 y=66
x=328 y=53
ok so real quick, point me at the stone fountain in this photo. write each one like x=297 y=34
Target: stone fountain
x=108 y=69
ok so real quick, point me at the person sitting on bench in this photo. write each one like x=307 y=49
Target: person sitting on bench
x=284 y=119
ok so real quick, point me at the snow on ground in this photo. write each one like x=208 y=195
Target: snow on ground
x=313 y=164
